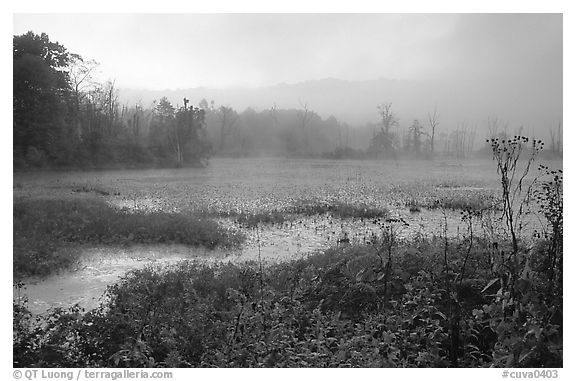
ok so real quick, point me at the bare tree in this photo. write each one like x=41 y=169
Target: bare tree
x=460 y=140
x=274 y=113
x=80 y=74
x=471 y=135
x=433 y=122
x=493 y=126
x=388 y=117
x=134 y=120
x=383 y=141
x=556 y=139
x=553 y=140
x=497 y=128
x=304 y=116
x=111 y=104
x=464 y=139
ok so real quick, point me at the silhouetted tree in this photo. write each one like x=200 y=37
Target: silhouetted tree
x=416 y=132
x=40 y=90
x=556 y=139
x=80 y=74
x=180 y=134
x=383 y=141
x=433 y=122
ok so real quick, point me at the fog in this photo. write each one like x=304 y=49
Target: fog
x=326 y=73
x=288 y=190
x=471 y=66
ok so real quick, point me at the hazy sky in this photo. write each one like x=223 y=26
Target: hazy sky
x=181 y=51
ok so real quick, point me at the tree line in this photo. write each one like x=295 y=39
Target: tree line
x=63 y=117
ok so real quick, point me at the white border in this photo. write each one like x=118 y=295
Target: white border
x=295 y=6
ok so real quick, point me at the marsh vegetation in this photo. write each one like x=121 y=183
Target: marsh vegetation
x=334 y=269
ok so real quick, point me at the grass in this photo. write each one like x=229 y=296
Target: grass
x=43 y=227
x=252 y=220
x=461 y=202
x=94 y=189
x=453 y=202
x=328 y=310
x=413 y=206
x=337 y=209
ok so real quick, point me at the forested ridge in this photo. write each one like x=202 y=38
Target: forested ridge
x=63 y=117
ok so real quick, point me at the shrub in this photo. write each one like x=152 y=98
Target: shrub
x=325 y=310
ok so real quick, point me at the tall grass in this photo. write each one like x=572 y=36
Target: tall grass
x=42 y=227
x=337 y=209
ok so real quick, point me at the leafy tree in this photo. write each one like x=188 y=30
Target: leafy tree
x=416 y=132
x=187 y=136
x=180 y=134
x=162 y=120
x=205 y=106
x=62 y=116
x=40 y=89
x=164 y=110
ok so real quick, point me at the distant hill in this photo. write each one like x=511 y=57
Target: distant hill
x=533 y=105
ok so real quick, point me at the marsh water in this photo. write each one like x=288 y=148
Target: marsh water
x=250 y=185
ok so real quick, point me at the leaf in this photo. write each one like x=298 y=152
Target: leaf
x=438 y=313
x=490 y=284
x=524 y=357
x=359 y=275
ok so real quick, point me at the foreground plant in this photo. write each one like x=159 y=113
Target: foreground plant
x=344 y=307
x=507 y=154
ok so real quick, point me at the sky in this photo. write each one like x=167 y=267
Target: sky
x=470 y=66
x=171 y=51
